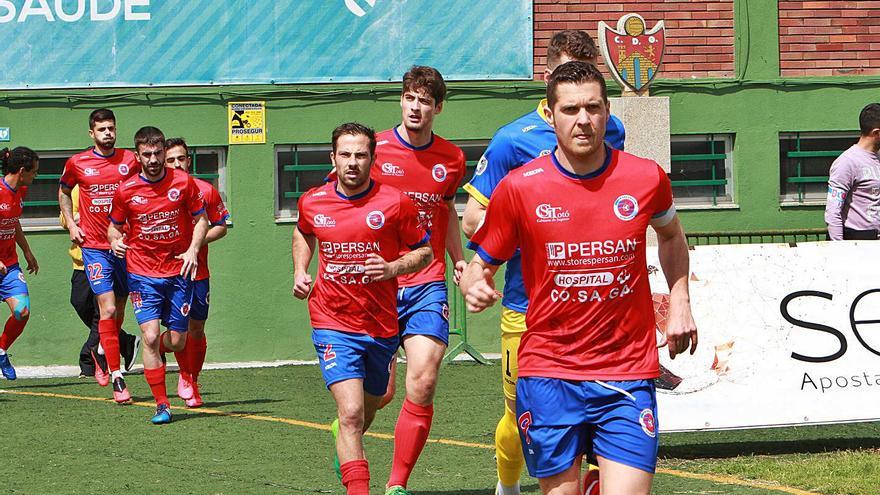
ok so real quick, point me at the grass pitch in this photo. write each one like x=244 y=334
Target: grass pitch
x=264 y=431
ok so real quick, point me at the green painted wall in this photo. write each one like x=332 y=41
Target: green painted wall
x=254 y=317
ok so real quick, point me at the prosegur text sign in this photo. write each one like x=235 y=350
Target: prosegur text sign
x=106 y=43
x=788 y=336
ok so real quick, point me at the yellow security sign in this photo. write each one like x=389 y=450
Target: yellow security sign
x=247 y=122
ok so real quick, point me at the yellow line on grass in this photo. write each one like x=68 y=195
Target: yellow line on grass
x=384 y=436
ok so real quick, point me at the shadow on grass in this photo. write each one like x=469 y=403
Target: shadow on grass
x=54 y=385
x=186 y=414
x=530 y=488
x=723 y=450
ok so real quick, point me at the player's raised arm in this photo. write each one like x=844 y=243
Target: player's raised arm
x=378 y=269
x=303 y=250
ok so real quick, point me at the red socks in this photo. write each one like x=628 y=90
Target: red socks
x=156 y=380
x=356 y=477
x=182 y=356
x=108 y=332
x=11 y=332
x=196 y=350
x=410 y=436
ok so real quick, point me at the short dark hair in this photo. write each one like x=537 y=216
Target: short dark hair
x=574 y=72
x=869 y=118
x=578 y=45
x=355 y=129
x=100 y=115
x=422 y=77
x=176 y=141
x=17 y=159
x=149 y=136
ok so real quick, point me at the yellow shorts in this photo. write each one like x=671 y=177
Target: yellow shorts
x=513 y=324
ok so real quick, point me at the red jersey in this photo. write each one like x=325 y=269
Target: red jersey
x=98 y=177
x=10 y=211
x=582 y=238
x=159 y=217
x=381 y=220
x=217 y=214
x=430 y=176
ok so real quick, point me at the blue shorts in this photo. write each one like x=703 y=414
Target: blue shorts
x=347 y=356
x=106 y=272
x=424 y=310
x=13 y=283
x=201 y=300
x=167 y=299
x=559 y=420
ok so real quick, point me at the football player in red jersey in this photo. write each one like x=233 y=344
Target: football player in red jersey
x=360 y=224
x=588 y=360
x=429 y=169
x=98 y=172
x=192 y=357
x=20 y=167
x=161 y=253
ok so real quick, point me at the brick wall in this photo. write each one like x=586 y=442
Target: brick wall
x=699 y=33
x=829 y=38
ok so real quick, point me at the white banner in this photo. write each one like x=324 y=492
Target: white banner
x=788 y=336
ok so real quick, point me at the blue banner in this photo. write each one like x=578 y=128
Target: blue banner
x=111 y=43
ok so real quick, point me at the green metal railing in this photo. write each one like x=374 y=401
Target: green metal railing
x=799 y=179
x=458 y=324
x=718 y=184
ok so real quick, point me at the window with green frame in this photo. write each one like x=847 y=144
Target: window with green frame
x=805 y=159
x=41 y=204
x=300 y=167
x=701 y=169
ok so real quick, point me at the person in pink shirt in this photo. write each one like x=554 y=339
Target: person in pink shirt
x=852 y=210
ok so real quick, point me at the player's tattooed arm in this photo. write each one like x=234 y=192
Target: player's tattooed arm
x=191 y=256
x=453 y=243
x=478 y=286
x=21 y=240
x=681 y=330
x=66 y=202
x=378 y=269
x=474 y=213
x=303 y=250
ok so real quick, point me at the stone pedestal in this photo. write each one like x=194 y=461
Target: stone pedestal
x=646 y=120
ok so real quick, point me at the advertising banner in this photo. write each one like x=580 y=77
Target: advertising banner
x=788 y=336
x=111 y=43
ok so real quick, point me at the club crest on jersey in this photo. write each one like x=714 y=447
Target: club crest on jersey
x=481 y=165
x=184 y=310
x=139 y=200
x=173 y=194
x=544 y=152
x=123 y=169
x=392 y=170
x=649 y=425
x=91 y=172
x=626 y=207
x=375 y=219
x=525 y=421
x=322 y=220
x=439 y=172
x=549 y=213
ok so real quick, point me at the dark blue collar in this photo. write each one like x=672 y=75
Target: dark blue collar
x=148 y=181
x=416 y=148
x=591 y=175
x=357 y=196
x=7 y=184
x=95 y=151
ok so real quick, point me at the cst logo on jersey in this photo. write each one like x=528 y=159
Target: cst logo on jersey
x=325 y=221
x=626 y=207
x=375 y=219
x=549 y=213
x=392 y=169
